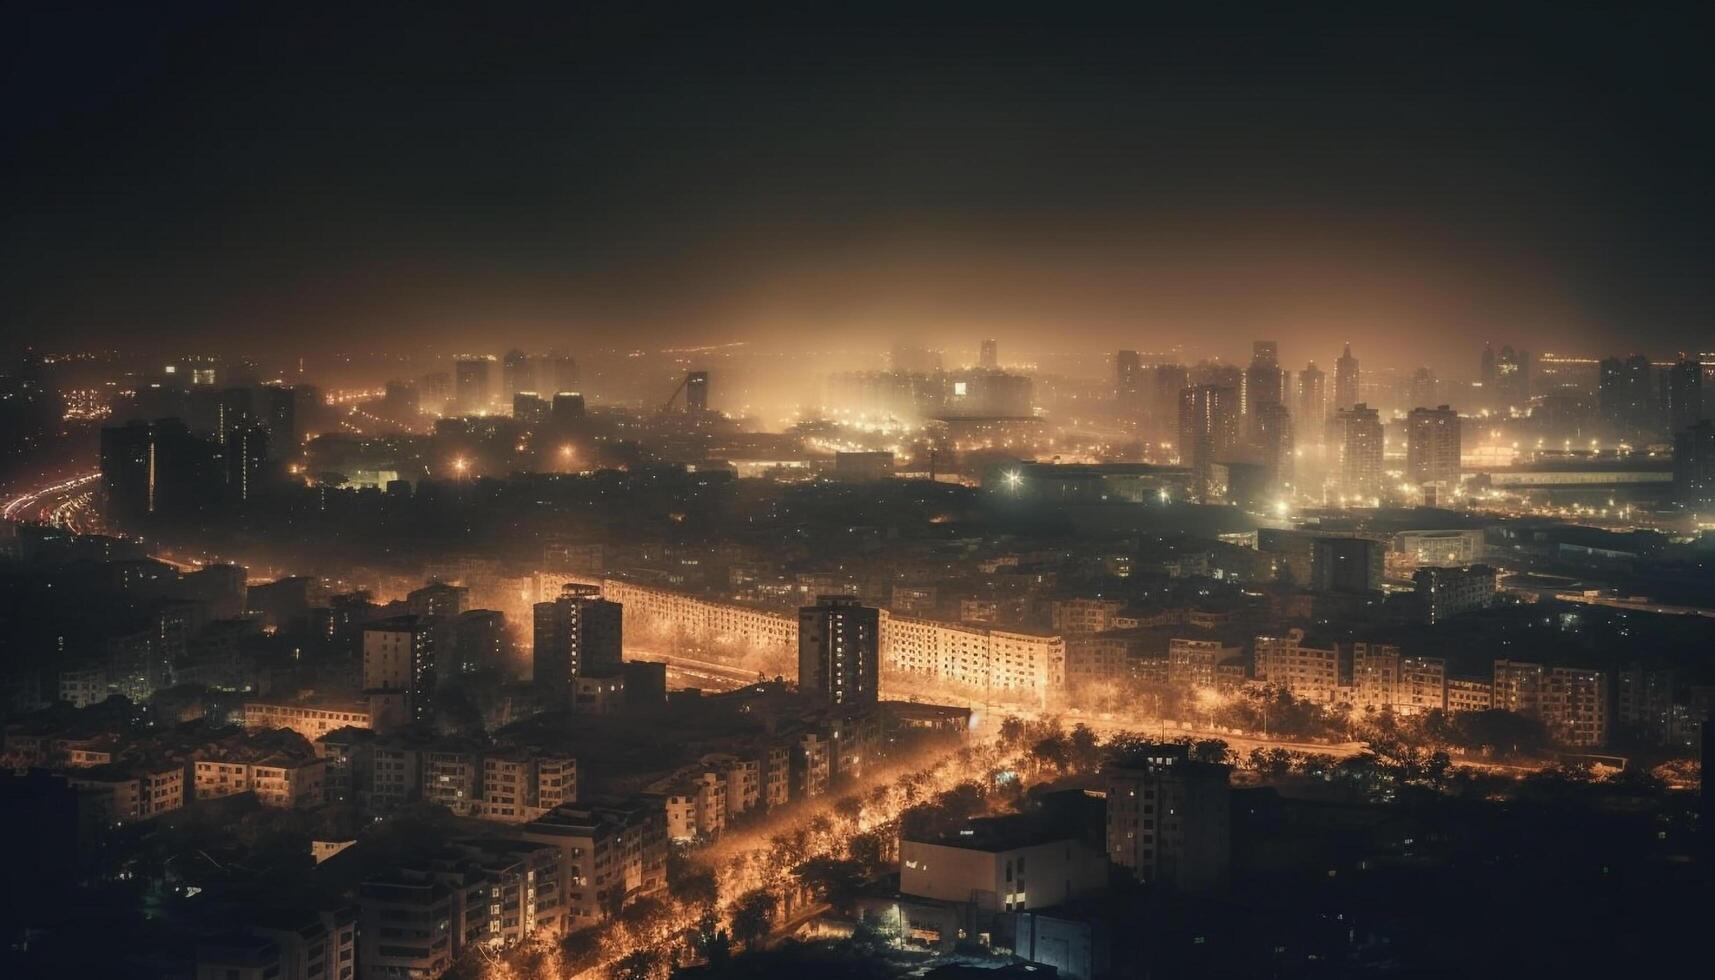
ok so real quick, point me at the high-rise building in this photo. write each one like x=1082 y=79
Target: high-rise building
x=246 y=457
x=1626 y=393
x=839 y=651
x=470 y=385
x=399 y=665
x=529 y=408
x=557 y=371
x=1273 y=435
x=1162 y=408
x=1263 y=383
x=1312 y=404
x=1511 y=379
x=1360 y=446
x=1683 y=393
x=1422 y=389
x=1348 y=565
x=575 y=635
x=1168 y=819
x=1345 y=380
x=990 y=357
x=1208 y=429
x=1128 y=385
x=1432 y=446
x=567 y=409
x=1693 y=465
x=517 y=373
x=158 y=469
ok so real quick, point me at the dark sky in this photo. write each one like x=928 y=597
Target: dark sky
x=1056 y=175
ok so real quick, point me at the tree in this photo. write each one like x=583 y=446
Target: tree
x=1011 y=731
x=711 y=941
x=752 y=917
x=835 y=882
x=1082 y=749
x=637 y=965
x=1050 y=753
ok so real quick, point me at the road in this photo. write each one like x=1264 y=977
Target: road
x=63 y=504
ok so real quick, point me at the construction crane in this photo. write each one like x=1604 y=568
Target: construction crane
x=695 y=385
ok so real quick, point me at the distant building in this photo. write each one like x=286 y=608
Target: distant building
x=399 y=660
x=1345 y=381
x=470 y=384
x=1519 y=687
x=989 y=360
x=1360 y=446
x=1168 y=819
x=574 y=634
x=1346 y=565
x=839 y=651
x=1575 y=707
x=1694 y=465
x=1432 y=446
x=1208 y=430
x=1446 y=592
x=1469 y=694
x=1311 y=673
x=1312 y=405
x=864 y=467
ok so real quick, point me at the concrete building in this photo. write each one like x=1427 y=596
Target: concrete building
x=1168 y=819
x=1432 y=446
x=576 y=634
x=1519 y=687
x=1469 y=694
x=1311 y=673
x=610 y=853
x=1001 y=864
x=1360 y=445
x=399 y=674
x=839 y=651
x=309 y=719
x=1192 y=663
x=1575 y=707
x=1348 y=565
x=1446 y=592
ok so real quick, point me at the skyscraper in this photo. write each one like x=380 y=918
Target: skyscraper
x=1422 y=390
x=839 y=652
x=1163 y=402
x=517 y=373
x=246 y=457
x=1684 y=393
x=1432 y=446
x=1694 y=465
x=1360 y=445
x=399 y=664
x=1312 y=403
x=1345 y=380
x=989 y=360
x=1208 y=429
x=576 y=634
x=1128 y=384
x=1512 y=379
x=1272 y=425
x=470 y=384
x=1263 y=378
x=1627 y=396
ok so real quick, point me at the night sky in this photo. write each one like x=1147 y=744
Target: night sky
x=1057 y=176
